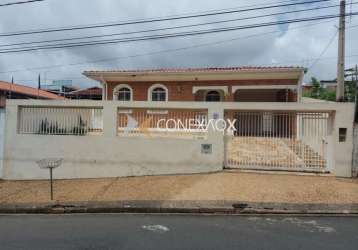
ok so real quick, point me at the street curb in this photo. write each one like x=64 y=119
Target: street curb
x=180 y=207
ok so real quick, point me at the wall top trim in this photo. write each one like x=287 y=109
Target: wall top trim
x=329 y=107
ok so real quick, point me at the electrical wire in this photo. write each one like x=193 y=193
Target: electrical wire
x=323 y=51
x=170 y=35
x=156 y=19
x=167 y=28
x=18 y=3
x=164 y=51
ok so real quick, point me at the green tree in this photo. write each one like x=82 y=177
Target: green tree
x=318 y=92
x=316 y=88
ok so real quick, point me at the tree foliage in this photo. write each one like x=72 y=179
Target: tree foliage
x=318 y=92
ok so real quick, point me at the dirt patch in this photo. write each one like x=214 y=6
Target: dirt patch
x=254 y=187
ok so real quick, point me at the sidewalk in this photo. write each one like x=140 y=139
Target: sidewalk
x=224 y=186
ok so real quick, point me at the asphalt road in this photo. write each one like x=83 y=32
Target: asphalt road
x=120 y=231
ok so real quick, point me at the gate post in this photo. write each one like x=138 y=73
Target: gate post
x=330 y=156
x=216 y=112
x=109 y=119
x=343 y=139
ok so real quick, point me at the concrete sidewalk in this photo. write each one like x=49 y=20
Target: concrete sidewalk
x=224 y=186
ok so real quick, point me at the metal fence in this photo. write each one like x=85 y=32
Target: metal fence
x=177 y=123
x=278 y=140
x=60 y=121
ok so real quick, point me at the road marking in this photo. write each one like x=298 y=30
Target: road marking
x=312 y=225
x=309 y=225
x=156 y=228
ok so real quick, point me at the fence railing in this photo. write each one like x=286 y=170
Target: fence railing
x=176 y=123
x=60 y=121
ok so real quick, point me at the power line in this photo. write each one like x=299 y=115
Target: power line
x=178 y=49
x=323 y=51
x=265 y=64
x=177 y=15
x=165 y=51
x=309 y=59
x=18 y=3
x=169 y=28
x=156 y=19
x=168 y=35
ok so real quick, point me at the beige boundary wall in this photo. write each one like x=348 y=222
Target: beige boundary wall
x=2 y=139
x=109 y=155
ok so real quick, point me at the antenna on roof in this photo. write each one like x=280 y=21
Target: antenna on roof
x=12 y=82
x=39 y=86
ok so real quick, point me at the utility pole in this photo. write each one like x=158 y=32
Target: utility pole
x=341 y=52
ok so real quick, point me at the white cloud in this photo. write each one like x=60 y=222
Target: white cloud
x=289 y=46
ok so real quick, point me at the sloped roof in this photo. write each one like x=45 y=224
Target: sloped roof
x=87 y=91
x=28 y=91
x=208 y=69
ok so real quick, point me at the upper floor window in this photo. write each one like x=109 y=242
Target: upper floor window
x=123 y=92
x=158 y=93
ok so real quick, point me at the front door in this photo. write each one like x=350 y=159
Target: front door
x=213 y=96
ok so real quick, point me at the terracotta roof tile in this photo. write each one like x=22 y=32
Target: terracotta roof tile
x=88 y=91
x=235 y=69
x=29 y=91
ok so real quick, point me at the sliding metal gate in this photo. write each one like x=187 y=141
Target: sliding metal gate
x=278 y=140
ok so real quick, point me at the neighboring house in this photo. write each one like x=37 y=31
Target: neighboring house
x=93 y=93
x=60 y=87
x=241 y=84
x=329 y=85
x=17 y=91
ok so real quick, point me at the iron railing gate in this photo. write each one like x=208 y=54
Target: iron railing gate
x=277 y=140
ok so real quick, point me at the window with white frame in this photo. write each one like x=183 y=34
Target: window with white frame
x=158 y=93
x=123 y=92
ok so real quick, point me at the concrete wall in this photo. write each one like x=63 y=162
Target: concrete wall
x=2 y=139
x=355 y=151
x=342 y=151
x=2 y=99
x=106 y=155
x=109 y=155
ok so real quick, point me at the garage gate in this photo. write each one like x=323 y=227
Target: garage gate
x=278 y=140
